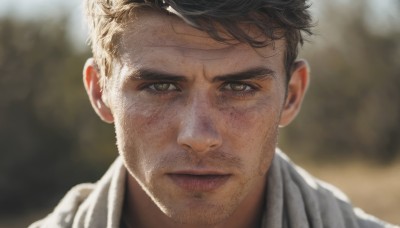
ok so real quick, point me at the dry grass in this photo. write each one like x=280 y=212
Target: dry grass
x=374 y=189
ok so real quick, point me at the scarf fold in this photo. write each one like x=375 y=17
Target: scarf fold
x=294 y=199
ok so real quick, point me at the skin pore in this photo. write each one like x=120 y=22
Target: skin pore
x=196 y=122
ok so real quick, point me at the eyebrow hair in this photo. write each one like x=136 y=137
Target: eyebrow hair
x=155 y=75
x=253 y=73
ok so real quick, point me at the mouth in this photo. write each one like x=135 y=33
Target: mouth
x=199 y=182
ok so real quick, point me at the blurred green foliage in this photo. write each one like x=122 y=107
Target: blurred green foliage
x=50 y=138
x=352 y=109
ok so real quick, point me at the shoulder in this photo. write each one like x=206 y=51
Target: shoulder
x=368 y=221
x=352 y=215
x=325 y=204
x=63 y=215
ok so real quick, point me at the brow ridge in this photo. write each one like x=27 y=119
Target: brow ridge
x=259 y=73
x=155 y=75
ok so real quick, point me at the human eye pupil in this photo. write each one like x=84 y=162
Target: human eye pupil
x=162 y=86
x=237 y=87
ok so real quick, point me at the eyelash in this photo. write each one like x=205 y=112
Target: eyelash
x=250 y=89
x=150 y=87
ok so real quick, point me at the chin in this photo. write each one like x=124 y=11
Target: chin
x=207 y=215
x=199 y=209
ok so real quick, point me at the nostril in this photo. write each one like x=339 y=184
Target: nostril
x=213 y=146
x=199 y=139
x=186 y=147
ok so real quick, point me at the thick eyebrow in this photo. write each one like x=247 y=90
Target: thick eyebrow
x=260 y=73
x=155 y=75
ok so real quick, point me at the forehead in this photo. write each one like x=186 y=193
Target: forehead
x=154 y=38
x=160 y=28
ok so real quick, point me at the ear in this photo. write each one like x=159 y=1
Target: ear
x=296 y=90
x=91 y=80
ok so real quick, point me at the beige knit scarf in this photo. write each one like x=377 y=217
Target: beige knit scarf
x=294 y=199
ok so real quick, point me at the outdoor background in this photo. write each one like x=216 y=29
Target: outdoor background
x=348 y=132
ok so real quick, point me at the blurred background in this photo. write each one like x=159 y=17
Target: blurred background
x=348 y=132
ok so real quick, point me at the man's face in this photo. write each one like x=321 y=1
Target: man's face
x=196 y=120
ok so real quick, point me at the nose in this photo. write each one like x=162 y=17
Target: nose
x=198 y=129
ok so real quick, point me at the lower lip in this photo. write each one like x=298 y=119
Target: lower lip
x=199 y=183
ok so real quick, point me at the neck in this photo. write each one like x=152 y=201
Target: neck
x=141 y=212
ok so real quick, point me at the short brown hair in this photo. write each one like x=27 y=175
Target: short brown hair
x=276 y=19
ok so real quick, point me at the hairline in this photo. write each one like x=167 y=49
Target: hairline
x=171 y=12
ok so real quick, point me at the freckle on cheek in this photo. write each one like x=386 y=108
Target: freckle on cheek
x=151 y=119
x=146 y=116
x=158 y=118
x=240 y=118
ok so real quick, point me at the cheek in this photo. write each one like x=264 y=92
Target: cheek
x=141 y=130
x=146 y=120
x=253 y=122
x=254 y=133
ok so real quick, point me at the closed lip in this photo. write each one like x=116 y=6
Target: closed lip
x=199 y=180
x=199 y=172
